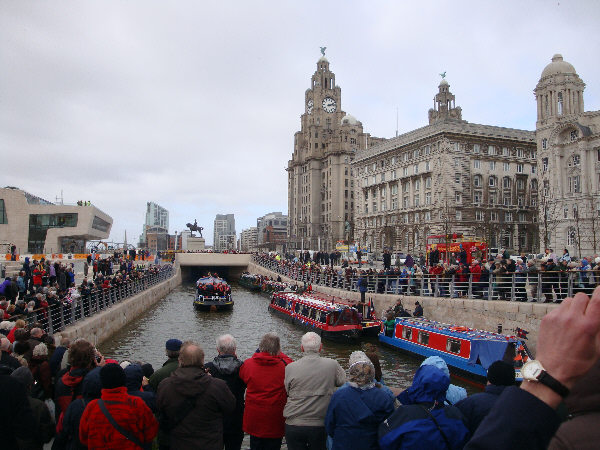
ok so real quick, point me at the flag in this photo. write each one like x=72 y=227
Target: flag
x=371 y=310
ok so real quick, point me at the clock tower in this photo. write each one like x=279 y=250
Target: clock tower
x=320 y=182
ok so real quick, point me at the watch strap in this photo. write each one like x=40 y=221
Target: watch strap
x=548 y=380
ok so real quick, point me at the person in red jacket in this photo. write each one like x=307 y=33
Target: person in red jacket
x=130 y=413
x=476 y=275
x=266 y=397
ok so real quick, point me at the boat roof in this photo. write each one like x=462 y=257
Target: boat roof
x=315 y=302
x=460 y=332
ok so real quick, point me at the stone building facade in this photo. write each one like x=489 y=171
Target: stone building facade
x=320 y=181
x=248 y=240
x=450 y=176
x=568 y=141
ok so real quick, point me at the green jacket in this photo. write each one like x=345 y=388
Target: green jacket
x=165 y=371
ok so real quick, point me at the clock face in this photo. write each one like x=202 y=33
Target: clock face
x=309 y=106
x=329 y=105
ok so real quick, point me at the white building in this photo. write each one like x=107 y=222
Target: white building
x=225 y=237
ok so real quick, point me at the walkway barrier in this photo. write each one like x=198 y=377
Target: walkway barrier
x=513 y=286
x=70 y=310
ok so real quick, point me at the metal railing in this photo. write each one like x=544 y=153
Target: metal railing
x=517 y=286
x=68 y=311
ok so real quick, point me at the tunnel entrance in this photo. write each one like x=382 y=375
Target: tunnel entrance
x=190 y=274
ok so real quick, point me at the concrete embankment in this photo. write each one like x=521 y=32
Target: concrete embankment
x=480 y=314
x=102 y=325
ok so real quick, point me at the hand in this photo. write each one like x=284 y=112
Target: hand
x=144 y=381
x=568 y=342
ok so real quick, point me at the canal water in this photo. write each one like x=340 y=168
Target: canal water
x=175 y=317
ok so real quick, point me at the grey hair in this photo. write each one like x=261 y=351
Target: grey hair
x=36 y=332
x=311 y=342
x=270 y=344
x=5 y=344
x=226 y=344
x=40 y=350
x=191 y=355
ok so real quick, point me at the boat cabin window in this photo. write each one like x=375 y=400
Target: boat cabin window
x=312 y=313
x=346 y=316
x=453 y=345
x=304 y=311
x=297 y=307
x=407 y=333
x=423 y=338
x=282 y=302
x=322 y=316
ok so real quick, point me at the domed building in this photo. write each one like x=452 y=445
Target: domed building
x=568 y=142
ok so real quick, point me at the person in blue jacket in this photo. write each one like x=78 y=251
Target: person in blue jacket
x=361 y=284
x=423 y=421
x=355 y=411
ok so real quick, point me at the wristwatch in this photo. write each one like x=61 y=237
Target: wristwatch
x=533 y=370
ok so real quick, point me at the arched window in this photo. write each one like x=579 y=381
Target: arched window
x=492 y=181
x=560 y=104
x=571 y=236
x=506 y=182
x=477 y=180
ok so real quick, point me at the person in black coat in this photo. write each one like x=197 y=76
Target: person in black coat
x=387 y=259
x=418 y=310
x=475 y=407
x=226 y=366
x=15 y=412
x=434 y=257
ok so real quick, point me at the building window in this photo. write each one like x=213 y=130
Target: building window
x=476 y=164
x=476 y=148
x=405 y=171
x=522 y=217
x=519 y=168
x=393 y=160
x=544 y=144
x=533 y=169
x=573 y=135
x=506 y=183
x=427 y=166
x=505 y=151
x=394 y=189
x=520 y=201
x=416 y=198
x=492 y=165
x=493 y=216
x=520 y=153
x=492 y=197
x=508 y=217
x=544 y=165
x=394 y=203
x=492 y=181
x=491 y=150
x=520 y=184
x=506 y=167
x=479 y=216
x=383 y=205
x=457 y=178
x=575 y=161
x=428 y=182
x=405 y=187
x=416 y=169
x=560 y=104
x=458 y=197
x=571 y=236
x=428 y=198
x=506 y=201
x=458 y=215
x=393 y=174
x=477 y=198
x=477 y=180
x=39 y=225
x=566 y=212
x=427 y=215
x=405 y=202
x=3 y=218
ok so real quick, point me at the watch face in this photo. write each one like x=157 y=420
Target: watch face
x=531 y=370
x=329 y=105
x=309 y=106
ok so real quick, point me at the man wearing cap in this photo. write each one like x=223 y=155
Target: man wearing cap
x=172 y=348
x=499 y=375
x=117 y=419
x=418 y=310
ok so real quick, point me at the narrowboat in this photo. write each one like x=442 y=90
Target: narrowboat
x=251 y=281
x=213 y=294
x=467 y=351
x=332 y=321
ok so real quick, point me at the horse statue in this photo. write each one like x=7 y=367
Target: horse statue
x=194 y=227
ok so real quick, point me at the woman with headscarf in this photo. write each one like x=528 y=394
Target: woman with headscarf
x=423 y=421
x=355 y=411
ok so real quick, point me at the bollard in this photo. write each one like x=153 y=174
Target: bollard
x=499 y=328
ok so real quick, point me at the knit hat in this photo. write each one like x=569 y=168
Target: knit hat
x=147 y=369
x=501 y=373
x=173 y=345
x=112 y=376
x=361 y=370
x=24 y=376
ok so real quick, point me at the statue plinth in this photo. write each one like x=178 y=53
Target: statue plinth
x=195 y=243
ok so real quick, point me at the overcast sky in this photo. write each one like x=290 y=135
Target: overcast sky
x=193 y=105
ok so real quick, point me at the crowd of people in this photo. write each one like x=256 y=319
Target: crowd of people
x=53 y=388
x=69 y=391
x=46 y=291
x=550 y=279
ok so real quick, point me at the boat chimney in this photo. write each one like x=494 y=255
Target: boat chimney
x=499 y=328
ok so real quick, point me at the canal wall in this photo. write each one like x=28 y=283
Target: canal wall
x=102 y=325
x=480 y=314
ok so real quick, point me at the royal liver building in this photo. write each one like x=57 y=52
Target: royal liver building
x=321 y=186
x=568 y=139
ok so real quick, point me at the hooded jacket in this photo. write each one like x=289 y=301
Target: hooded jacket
x=202 y=427
x=133 y=380
x=412 y=427
x=68 y=428
x=264 y=375
x=227 y=368
x=68 y=388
